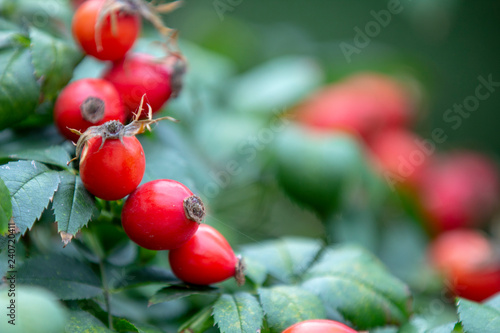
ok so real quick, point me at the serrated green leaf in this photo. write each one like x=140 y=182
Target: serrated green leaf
x=286 y=259
x=5 y=208
x=238 y=313
x=32 y=186
x=54 y=155
x=53 y=59
x=175 y=292
x=353 y=282
x=73 y=204
x=81 y=321
x=19 y=93
x=287 y=305
x=66 y=277
x=478 y=318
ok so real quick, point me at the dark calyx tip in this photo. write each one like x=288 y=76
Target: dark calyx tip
x=194 y=208
x=240 y=272
x=92 y=109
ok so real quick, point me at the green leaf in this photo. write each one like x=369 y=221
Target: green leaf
x=478 y=318
x=287 y=305
x=54 y=155
x=200 y=322
x=354 y=283
x=53 y=60
x=66 y=277
x=5 y=208
x=278 y=84
x=157 y=153
x=494 y=301
x=286 y=259
x=81 y=321
x=73 y=204
x=19 y=93
x=146 y=328
x=175 y=292
x=255 y=271
x=31 y=186
x=420 y=324
x=125 y=326
x=446 y=328
x=36 y=310
x=146 y=276
x=238 y=313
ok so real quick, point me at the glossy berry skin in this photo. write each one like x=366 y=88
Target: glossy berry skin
x=113 y=44
x=467 y=261
x=138 y=74
x=161 y=215
x=319 y=326
x=85 y=103
x=114 y=170
x=205 y=259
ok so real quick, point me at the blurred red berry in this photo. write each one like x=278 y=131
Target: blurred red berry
x=319 y=326
x=364 y=104
x=459 y=190
x=401 y=157
x=468 y=263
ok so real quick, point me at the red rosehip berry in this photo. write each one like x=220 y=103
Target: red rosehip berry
x=85 y=103
x=468 y=262
x=138 y=74
x=108 y=37
x=113 y=169
x=461 y=189
x=162 y=215
x=365 y=104
x=206 y=258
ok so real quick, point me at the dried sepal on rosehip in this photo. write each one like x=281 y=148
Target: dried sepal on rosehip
x=112 y=161
x=147 y=10
x=116 y=130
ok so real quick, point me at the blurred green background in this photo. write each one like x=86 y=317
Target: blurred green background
x=446 y=44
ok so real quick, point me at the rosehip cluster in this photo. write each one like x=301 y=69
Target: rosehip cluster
x=166 y=215
x=107 y=30
x=161 y=214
